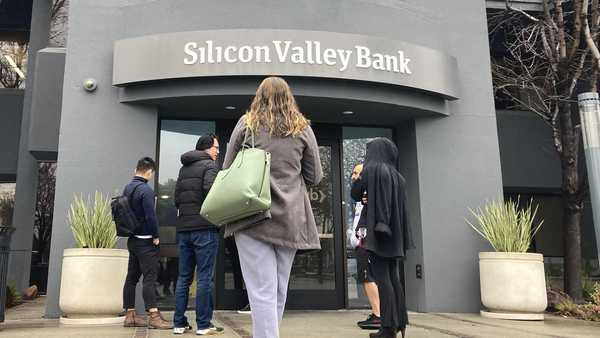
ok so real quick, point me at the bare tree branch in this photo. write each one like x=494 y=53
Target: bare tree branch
x=593 y=83
x=580 y=8
x=562 y=42
x=578 y=72
x=59 y=22
x=552 y=28
x=9 y=76
x=591 y=45
x=548 y=49
x=57 y=6
x=518 y=10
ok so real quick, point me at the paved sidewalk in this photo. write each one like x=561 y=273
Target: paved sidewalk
x=319 y=324
x=26 y=321
x=309 y=324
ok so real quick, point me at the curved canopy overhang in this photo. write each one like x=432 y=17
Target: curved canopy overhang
x=323 y=100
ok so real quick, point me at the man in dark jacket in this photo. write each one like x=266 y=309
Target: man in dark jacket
x=197 y=238
x=143 y=248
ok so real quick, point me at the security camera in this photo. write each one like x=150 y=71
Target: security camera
x=90 y=85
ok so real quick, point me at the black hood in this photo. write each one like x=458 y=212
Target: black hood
x=194 y=156
x=381 y=151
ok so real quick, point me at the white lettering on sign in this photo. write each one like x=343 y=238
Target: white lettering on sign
x=308 y=52
x=316 y=195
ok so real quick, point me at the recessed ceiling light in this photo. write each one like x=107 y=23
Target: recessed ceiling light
x=230 y=107
x=164 y=197
x=347 y=112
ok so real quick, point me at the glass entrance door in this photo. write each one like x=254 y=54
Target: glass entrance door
x=317 y=278
x=320 y=279
x=316 y=281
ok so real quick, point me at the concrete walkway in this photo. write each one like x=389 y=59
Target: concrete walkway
x=26 y=321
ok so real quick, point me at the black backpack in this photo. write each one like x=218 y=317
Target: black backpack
x=125 y=219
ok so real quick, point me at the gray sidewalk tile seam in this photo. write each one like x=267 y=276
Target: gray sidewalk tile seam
x=444 y=331
x=498 y=326
x=140 y=332
x=28 y=324
x=229 y=322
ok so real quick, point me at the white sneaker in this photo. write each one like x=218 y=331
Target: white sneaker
x=245 y=310
x=181 y=330
x=211 y=331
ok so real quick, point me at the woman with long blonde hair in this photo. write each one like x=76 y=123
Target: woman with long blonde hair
x=267 y=248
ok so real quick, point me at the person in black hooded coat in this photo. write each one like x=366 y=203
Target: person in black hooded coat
x=388 y=234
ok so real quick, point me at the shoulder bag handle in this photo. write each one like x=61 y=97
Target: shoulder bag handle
x=244 y=143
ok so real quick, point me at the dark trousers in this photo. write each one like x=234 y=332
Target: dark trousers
x=143 y=261
x=392 y=299
x=238 y=279
x=197 y=251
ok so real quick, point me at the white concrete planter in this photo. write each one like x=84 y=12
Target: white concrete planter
x=513 y=285
x=91 y=289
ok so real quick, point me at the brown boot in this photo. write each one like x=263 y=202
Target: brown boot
x=156 y=321
x=133 y=320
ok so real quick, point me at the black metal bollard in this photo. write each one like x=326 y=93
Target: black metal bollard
x=5 y=234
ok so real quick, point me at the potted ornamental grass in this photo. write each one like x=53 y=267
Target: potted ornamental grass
x=93 y=273
x=513 y=284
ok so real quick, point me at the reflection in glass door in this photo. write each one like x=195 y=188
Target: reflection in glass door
x=176 y=138
x=316 y=281
x=316 y=270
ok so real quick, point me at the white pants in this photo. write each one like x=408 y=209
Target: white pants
x=266 y=269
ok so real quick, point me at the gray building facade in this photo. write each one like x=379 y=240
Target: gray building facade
x=161 y=83
x=104 y=132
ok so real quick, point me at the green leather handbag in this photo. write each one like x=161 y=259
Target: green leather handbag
x=241 y=191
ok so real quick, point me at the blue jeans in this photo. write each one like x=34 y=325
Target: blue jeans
x=197 y=249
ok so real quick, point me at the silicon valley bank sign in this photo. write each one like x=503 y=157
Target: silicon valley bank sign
x=258 y=52
x=309 y=52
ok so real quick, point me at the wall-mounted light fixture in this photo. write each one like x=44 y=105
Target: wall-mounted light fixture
x=90 y=84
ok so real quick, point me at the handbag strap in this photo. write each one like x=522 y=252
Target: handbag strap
x=247 y=131
x=245 y=142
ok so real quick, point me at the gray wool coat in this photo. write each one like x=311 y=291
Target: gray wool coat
x=295 y=163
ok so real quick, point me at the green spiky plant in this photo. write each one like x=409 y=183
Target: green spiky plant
x=92 y=223
x=13 y=297
x=596 y=294
x=505 y=226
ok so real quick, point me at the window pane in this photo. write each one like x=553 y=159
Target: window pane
x=176 y=138
x=7 y=202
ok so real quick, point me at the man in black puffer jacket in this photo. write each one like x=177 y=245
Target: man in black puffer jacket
x=197 y=238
